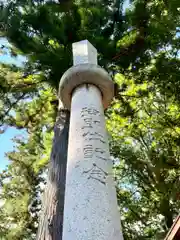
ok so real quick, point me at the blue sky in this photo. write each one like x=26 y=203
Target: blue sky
x=6 y=143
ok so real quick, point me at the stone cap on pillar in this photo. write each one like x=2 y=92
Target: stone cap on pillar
x=84 y=53
x=85 y=71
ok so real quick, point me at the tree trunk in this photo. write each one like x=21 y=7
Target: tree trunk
x=51 y=221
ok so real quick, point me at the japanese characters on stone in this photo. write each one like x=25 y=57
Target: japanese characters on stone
x=90 y=133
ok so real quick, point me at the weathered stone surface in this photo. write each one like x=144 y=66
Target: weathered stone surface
x=86 y=73
x=90 y=211
x=84 y=52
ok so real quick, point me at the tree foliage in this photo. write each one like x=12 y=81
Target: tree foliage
x=140 y=49
x=145 y=142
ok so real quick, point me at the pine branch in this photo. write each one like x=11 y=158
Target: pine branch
x=2 y=117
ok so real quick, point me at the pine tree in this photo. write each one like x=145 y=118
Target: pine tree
x=142 y=45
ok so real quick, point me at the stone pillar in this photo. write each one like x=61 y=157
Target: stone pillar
x=90 y=211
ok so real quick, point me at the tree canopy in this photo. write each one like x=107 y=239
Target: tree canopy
x=139 y=47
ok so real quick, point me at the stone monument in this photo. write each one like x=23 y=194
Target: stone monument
x=90 y=210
